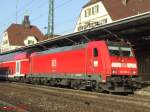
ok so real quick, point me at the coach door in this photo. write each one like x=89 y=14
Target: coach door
x=4 y=73
x=18 y=68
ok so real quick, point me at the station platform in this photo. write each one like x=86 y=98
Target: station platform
x=144 y=91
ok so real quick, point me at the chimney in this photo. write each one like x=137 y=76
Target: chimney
x=26 y=22
x=93 y=1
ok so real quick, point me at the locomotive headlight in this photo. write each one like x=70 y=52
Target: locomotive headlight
x=103 y=81
x=116 y=64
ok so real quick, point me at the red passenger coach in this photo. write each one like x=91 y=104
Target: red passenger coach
x=96 y=65
x=14 y=65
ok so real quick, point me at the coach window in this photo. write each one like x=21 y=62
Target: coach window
x=17 y=66
x=95 y=52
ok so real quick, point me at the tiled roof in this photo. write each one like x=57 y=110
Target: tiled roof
x=17 y=33
x=118 y=10
x=91 y=2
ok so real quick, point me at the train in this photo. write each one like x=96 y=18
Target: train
x=96 y=65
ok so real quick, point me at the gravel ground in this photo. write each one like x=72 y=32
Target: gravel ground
x=36 y=98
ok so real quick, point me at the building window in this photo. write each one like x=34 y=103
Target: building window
x=30 y=42
x=5 y=35
x=88 y=12
x=5 y=42
x=95 y=10
x=92 y=11
x=125 y=2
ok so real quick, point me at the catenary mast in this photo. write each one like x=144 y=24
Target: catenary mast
x=50 y=31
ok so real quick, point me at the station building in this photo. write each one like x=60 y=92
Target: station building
x=19 y=35
x=100 y=12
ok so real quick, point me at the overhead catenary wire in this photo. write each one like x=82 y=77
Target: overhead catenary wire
x=44 y=14
x=12 y=17
x=63 y=4
x=42 y=4
x=24 y=8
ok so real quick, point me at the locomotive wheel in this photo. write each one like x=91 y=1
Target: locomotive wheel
x=99 y=88
x=52 y=82
x=75 y=84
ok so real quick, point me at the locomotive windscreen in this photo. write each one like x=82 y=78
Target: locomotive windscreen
x=120 y=51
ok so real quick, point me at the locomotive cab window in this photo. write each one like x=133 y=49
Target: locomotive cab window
x=126 y=51
x=120 y=51
x=114 y=51
x=95 y=52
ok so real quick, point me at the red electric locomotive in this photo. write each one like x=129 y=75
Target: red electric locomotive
x=96 y=65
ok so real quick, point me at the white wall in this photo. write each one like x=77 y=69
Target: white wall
x=84 y=23
x=5 y=45
x=5 y=42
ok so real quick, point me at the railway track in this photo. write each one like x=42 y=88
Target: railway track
x=49 y=99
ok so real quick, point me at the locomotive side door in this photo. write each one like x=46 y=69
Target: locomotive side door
x=93 y=60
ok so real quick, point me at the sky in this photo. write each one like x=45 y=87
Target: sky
x=66 y=14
